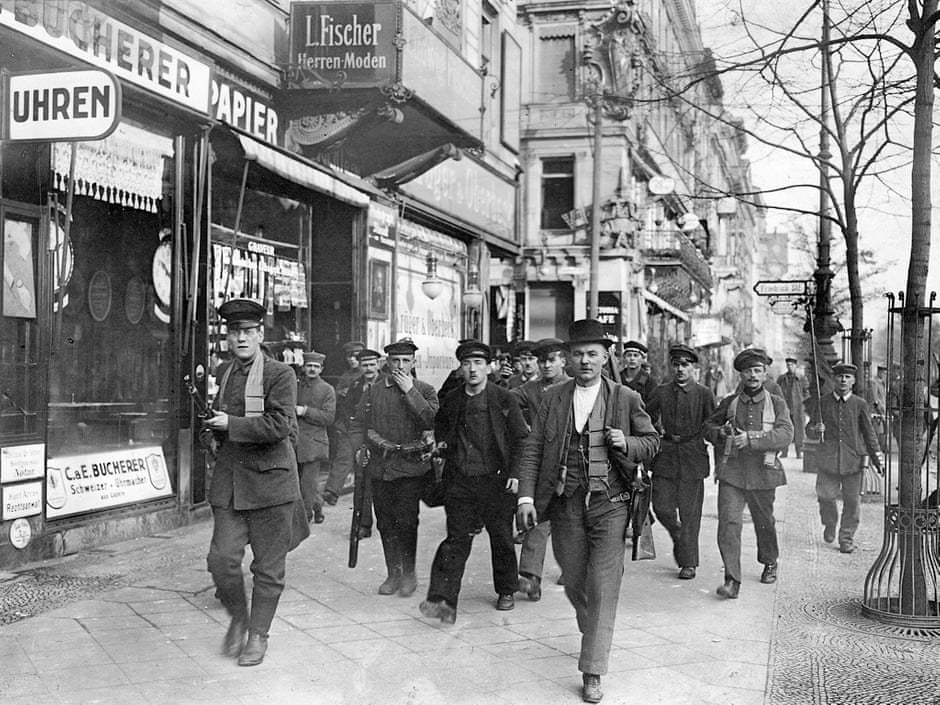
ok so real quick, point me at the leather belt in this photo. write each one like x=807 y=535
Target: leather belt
x=680 y=439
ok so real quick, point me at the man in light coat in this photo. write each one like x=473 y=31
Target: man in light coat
x=316 y=410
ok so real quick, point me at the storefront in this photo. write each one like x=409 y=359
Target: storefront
x=89 y=332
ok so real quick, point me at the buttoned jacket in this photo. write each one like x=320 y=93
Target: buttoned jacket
x=319 y=398
x=848 y=436
x=643 y=383
x=539 y=467
x=791 y=385
x=683 y=453
x=756 y=466
x=256 y=465
x=530 y=396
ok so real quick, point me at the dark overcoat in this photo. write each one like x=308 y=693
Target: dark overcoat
x=683 y=453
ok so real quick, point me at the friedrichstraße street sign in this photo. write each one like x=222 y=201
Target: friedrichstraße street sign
x=783 y=288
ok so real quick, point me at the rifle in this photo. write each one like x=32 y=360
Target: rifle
x=203 y=411
x=362 y=457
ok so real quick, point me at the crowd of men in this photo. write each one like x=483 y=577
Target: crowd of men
x=558 y=448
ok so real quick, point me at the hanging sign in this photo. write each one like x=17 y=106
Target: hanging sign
x=66 y=105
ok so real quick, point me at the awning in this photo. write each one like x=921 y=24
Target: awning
x=665 y=305
x=300 y=172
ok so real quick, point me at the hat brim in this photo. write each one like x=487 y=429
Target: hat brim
x=606 y=342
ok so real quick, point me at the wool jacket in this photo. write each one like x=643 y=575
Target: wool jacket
x=679 y=415
x=313 y=442
x=848 y=436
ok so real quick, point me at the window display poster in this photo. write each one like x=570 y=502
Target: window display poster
x=22 y=500
x=85 y=483
x=19 y=463
x=19 y=288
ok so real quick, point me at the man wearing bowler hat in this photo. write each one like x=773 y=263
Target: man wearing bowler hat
x=748 y=430
x=587 y=436
x=849 y=443
x=634 y=375
x=793 y=392
x=480 y=430
x=678 y=408
x=254 y=485
x=395 y=417
x=316 y=409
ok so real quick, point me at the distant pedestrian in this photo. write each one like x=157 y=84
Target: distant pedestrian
x=842 y=421
x=481 y=430
x=792 y=386
x=586 y=435
x=398 y=430
x=552 y=358
x=316 y=410
x=679 y=409
x=369 y=367
x=254 y=485
x=749 y=429
x=524 y=352
x=342 y=453
x=636 y=373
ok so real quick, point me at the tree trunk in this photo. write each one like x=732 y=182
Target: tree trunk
x=850 y=233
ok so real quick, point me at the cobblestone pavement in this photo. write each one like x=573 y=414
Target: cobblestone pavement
x=824 y=650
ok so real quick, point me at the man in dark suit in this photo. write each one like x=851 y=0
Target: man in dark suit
x=584 y=433
x=849 y=443
x=396 y=418
x=342 y=461
x=678 y=409
x=316 y=409
x=749 y=429
x=254 y=484
x=792 y=391
x=480 y=429
x=634 y=375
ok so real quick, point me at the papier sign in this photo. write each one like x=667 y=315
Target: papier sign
x=65 y=105
x=86 y=483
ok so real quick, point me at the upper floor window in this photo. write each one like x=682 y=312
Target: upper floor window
x=555 y=66
x=557 y=192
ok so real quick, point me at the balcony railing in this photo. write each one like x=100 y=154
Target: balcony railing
x=666 y=245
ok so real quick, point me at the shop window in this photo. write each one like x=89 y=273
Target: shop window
x=21 y=393
x=557 y=192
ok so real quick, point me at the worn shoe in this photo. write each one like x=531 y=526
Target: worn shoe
x=440 y=610
x=531 y=586
x=769 y=575
x=254 y=650
x=330 y=497
x=505 y=602
x=318 y=516
x=234 y=640
x=591 y=689
x=846 y=547
x=829 y=534
x=364 y=532
x=391 y=585
x=686 y=572
x=409 y=583
x=729 y=589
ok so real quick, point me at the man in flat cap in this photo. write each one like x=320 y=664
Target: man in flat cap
x=316 y=410
x=481 y=430
x=633 y=374
x=793 y=392
x=369 y=365
x=749 y=429
x=342 y=454
x=552 y=355
x=254 y=484
x=842 y=422
x=524 y=350
x=399 y=429
x=587 y=438
x=679 y=408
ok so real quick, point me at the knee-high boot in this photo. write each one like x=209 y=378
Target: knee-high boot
x=393 y=557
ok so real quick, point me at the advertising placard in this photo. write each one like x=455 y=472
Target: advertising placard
x=19 y=463
x=86 y=483
x=22 y=500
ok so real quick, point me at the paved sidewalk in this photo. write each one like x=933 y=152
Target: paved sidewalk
x=154 y=635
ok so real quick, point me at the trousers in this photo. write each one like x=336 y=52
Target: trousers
x=731 y=503
x=397 y=503
x=309 y=478
x=532 y=555
x=829 y=488
x=678 y=507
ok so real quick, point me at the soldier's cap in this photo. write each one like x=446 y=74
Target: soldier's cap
x=790 y=359
x=242 y=313
x=587 y=330
x=523 y=347
x=751 y=357
x=635 y=345
x=474 y=348
x=402 y=346
x=353 y=346
x=683 y=352
x=548 y=345
x=314 y=356
x=367 y=354
x=844 y=368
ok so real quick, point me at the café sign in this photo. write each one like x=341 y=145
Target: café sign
x=83 y=104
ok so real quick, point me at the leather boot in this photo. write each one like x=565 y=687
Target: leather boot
x=729 y=589
x=591 y=688
x=392 y=548
x=234 y=640
x=254 y=650
x=409 y=580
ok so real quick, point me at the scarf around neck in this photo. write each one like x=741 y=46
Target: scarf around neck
x=254 y=387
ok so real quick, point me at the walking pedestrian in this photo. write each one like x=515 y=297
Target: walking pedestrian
x=480 y=429
x=254 y=485
x=678 y=409
x=793 y=389
x=749 y=428
x=842 y=420
x=369 y=367
x=342 y=454
x=398 y=429
x=316 y=410
x=587 y=434
x=524 y=351
x=634 y=375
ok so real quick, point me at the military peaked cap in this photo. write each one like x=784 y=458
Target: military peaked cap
x=403 y=346
x=314 y=356
x=635 y=345
x=751 y=357
x=844 y=368
x=682 y=352
x=242 y=313
x=474 y=348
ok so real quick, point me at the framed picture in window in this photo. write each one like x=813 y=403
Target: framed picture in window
x=510 y=81
x=378 y=288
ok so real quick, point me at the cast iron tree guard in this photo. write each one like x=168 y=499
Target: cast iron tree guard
x=902 y=587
